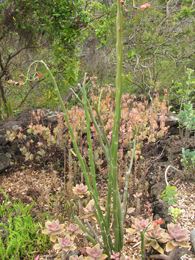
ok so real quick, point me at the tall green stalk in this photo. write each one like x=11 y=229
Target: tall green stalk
x=142 y=236
x=117 y=208
x=105 y=234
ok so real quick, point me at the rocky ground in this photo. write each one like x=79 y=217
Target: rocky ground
x=46 y=186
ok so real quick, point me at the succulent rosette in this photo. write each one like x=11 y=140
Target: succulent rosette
x=80 y=190
x=72 y=228
x=65 y=244
x=95 y=253
x=140 y=224
x=155 y=235
x=179 y=237
x=53 y=229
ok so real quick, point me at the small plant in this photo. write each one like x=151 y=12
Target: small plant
x=53 y=229
x=169 y=195
x=184 y=92
x=178 y=237
x=66 y=237
x=20 y=235
x=185 y=96
x=96 y=252
x=175 y=213
x=187 y=117
x=188 y=160
x=141 y=225
x=161 y=240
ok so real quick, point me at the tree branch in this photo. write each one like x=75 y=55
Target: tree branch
x=28 y=93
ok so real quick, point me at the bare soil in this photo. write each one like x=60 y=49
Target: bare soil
x=48 y=190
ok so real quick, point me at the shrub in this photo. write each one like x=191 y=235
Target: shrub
x=20 y=235
x=188 y=160
x=169 y=195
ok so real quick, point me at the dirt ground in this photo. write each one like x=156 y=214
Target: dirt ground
x=48 y=190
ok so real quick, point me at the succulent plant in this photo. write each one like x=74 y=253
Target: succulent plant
x=179 y=237
x=177 y=233
x=115 y=256
x=65 y=244
x=53 y=229
x=96 y=252
x=72 y=228
x=80 y=190
x=140 y=224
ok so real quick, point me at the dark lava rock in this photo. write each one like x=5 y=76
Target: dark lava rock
x=4 y=162
x=157 y=189
x=2 y=140
x=160 y=210
x=10 y=153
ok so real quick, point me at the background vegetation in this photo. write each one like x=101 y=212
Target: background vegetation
x=75 y=37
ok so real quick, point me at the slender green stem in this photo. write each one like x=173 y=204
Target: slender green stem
x=109 y=198
x=89 y=142
x=93 y=231
x=99 y=101
x=142 y=235
x=106 y=149
x=102 y=128
x=100 y=135
x=85 y=230
x=127 y=176
x=105 y=235
x=105 y=145
x=117 y=210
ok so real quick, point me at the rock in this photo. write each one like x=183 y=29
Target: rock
x=2 y=140
x=160 y=210
x=10 y=153
x=192 y=239
x=4 y=162
x=157 y=189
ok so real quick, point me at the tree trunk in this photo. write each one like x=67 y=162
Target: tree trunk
x=3 y=97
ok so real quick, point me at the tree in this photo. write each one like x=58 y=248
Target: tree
x=26 y=27
x=159 y=43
